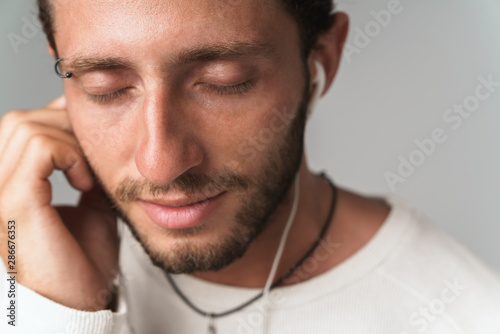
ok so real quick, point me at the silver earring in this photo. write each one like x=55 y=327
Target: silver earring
x=58 y=71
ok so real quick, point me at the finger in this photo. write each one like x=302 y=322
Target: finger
x=11 y=120
x=58 y=104
x=42 y=155
x=17 y=142
x=97 y=199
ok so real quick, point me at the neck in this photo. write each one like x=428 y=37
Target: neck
x=252 y=270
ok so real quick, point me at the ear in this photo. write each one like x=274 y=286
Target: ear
x=51 y=51
x=329 y=49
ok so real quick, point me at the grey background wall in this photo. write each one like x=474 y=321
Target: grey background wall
x=399 y=77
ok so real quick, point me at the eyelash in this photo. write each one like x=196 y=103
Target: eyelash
x=240 y=89
x=107 y=98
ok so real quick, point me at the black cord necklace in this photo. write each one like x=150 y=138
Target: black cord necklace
x=275 y=284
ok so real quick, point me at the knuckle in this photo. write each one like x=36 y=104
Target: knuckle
x=26 y=129
x=40 y=142
x=11 y=118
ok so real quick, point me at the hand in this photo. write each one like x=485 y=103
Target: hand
x=67 y=254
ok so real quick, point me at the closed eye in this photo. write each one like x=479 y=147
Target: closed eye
x=107 y=98
x=241 y=88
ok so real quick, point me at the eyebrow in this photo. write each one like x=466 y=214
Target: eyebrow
x=203 y=53
x=90 y=63
x=229 y=50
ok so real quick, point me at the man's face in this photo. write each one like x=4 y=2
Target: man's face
x=179 y=101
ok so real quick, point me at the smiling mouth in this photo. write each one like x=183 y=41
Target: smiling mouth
x=181 y=213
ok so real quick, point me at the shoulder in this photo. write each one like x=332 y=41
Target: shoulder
x=448 y=277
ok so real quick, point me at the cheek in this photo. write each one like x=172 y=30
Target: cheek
x=102 y=141
x=241 y=141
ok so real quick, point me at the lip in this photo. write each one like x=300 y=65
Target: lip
x=181 y=214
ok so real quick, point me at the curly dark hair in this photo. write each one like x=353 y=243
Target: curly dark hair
x=312 y=16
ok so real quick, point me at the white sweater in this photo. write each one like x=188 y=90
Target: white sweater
x=410 y=278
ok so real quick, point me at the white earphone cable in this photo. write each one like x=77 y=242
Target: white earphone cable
x=320 y=82
x=279 y=253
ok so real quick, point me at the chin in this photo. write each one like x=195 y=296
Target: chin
x=210 y=245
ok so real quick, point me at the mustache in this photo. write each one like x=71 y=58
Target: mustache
x=189 y=183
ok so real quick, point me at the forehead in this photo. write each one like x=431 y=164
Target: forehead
x=143 y=27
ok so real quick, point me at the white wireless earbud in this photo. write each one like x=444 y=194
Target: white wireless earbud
x=319 y=82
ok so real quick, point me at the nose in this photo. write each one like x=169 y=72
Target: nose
x=168 y=144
